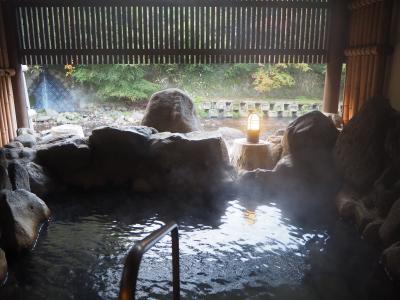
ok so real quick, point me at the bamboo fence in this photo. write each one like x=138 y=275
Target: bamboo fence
x=8 y=123
x=368 y=49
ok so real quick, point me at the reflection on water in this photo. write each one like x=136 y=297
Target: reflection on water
x=226 y=253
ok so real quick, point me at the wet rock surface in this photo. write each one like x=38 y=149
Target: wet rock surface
x=21 y=214
x=306 y=164
x=367 y=155
x=14 y=145
x=360 y=148
x=171 y=110
x=310 y=140
x=371 y=232
x=346 y=201
x=39 y=182
x=64 y=156
x=3 y=266
x=309 y=135
x=22 y=131
x=5 y=182
x=390 y=229
x=27 y=140
x=386 y=190
x=336 y=119
x=138 y=157
x=19 y=176
x=391 y=261
x=195 y=161
x=118 y=153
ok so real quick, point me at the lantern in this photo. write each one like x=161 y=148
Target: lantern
x=253 y=128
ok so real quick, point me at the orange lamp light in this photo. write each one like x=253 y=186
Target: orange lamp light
x=253 y=128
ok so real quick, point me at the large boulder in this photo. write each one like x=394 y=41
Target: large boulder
x=371 y=232
x=283 y=179
x=11 y=153
x=4 y=179
x=119 y=153
x=63 y=157
x=386 y=191
x=67 y=129
x=392 y=142
x=391 y=261
x=346 y=202
x=19 y=176
x=309 y=140
x=39 y=182
x=360 y=148
x=28 y=140
x=390 y=229
x=3 y=266
x=14 y=145
x=3 y=159
x=309 y=137
x=350 y=208
x=171 y=110
x=336 y=119
x=196 y=161
x=24 y=130
x=27 y=154
x=21 y=214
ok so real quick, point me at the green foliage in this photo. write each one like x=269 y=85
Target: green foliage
x=114 y=82
x=136 y=82
x=272 y=77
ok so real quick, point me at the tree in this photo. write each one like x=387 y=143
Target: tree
x=115 y=82
x=270 y=77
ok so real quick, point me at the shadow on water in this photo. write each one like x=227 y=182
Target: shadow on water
x=233 y=246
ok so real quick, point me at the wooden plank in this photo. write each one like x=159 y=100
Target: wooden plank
x=181 y=25
x=162 y=27
x=171 y=52
x=140 y=44
x=145 y=27
x=192 y=11
x=264 y=28
x=8 y=104
x=21 y=23
x=3 y=119
x=176 y=32
x=209 y=3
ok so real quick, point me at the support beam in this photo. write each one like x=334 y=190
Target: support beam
x=18 y=85
x=337 y=38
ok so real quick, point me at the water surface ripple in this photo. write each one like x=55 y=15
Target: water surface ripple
x=227 y=252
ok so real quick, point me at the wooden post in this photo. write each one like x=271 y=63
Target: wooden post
x=337 y=38
x=20 y=100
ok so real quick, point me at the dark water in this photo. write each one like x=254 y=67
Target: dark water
x=231 y=248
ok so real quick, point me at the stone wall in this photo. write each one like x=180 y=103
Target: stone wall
x=367 y=155
x=272 y=109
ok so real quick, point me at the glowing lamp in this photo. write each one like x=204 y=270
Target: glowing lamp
x=253 y=128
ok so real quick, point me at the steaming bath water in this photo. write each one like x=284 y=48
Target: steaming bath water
x=228 y=251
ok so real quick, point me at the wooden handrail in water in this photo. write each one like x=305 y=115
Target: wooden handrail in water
x=132 y=263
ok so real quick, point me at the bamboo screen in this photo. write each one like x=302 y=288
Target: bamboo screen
x=369 y=46
x=171 y=31
x=8 y=123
